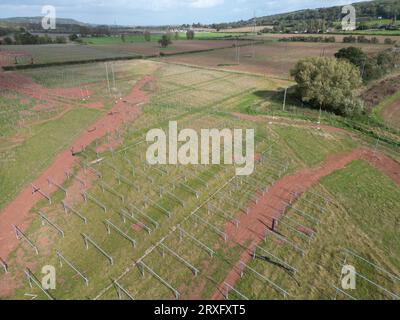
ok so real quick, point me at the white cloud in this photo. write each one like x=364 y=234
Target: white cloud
x=151 y=5
x=206 y=3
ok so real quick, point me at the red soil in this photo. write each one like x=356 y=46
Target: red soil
x=387 y=165
x=17 y=212
x=137 y=227
x=271 y=206
x=94 y=105
x=25 y=85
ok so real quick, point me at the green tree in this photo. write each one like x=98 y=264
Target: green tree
x=190 y=34
x=165 y=41
x=388 y=60
x=372 y=70
x=46 y=39
x=8 y=40
x=329 y=84
x=73 y=37
x=375 y=40
x=354 y=55
x=61 y=40
x=147 y=36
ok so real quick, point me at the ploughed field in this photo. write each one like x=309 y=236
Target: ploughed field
x=271 y=58
x=42 y=54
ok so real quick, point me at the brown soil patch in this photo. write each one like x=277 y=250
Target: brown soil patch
x=153 y=48
x=76 y=188
x=378 y=92
x=271 y=205
x=276 y=58
x=391 y=114
x=17 y=212
x=137 y=227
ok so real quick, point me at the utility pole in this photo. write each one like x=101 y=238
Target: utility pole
x=284 y=100
x=237 y=52
x=255 y=34
x=319 y=117
x=113 y=75
x=376 y=146
x=108 y=81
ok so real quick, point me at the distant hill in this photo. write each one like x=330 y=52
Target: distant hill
x=368 y=10
x=34 y=25
x=38 y=20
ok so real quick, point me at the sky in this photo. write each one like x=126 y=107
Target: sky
x=159 y=12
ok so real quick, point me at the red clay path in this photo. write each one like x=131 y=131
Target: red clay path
x=252 y=226
x=17 y=212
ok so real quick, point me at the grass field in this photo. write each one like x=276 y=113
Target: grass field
x=312 y=148
x=388 y=110
x=156 y=37
x=122 y=252
x=362 y=218
x=41 y=150
x=178 y=215
x=374 y=22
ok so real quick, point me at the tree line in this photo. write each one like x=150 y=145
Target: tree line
x=330 y=39
x=23 y=37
